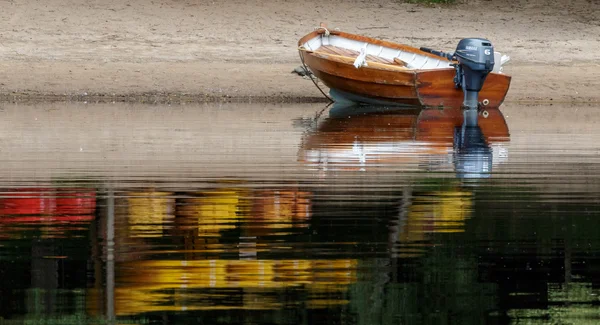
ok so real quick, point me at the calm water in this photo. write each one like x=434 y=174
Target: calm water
x=291 y=214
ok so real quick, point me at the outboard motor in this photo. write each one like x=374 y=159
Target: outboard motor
x=475 y=58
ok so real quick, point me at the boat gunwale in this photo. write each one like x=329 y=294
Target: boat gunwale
x=370 y=64
x=374 y=41
x=396 y=46
x=376 y=65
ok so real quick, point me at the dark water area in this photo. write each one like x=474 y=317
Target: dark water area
x=296 y=214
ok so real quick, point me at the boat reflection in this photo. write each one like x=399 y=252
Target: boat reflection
x=392 y=142
x=361 y=138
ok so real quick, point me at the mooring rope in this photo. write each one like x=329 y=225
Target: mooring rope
x=327 y=33
x=309 y=73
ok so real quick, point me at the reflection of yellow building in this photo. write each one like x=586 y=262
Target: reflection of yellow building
x=149 y=212
x=218 y=210
x=214 y=211
x=200 y=221
x=452 y=211
x=433 y=212
x=439 y=212
x=145 y=286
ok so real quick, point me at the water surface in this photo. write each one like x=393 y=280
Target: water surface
x=298 y=214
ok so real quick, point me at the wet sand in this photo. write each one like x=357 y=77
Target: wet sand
x=174 y=51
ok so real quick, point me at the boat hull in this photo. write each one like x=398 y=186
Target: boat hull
x=364 y=85
x=343 y=98
x=436 y=88
x=393 y=85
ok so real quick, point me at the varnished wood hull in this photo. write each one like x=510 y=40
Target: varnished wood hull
x=390 y=84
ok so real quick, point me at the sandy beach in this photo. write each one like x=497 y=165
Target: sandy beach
x=138 y=50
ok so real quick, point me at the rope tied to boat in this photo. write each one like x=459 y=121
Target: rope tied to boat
x=310 y=75
x=327 y=33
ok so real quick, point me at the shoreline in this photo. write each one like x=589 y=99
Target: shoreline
x=193 y=82
x=182 y=99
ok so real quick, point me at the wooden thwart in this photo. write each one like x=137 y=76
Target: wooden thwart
x=331 y=49
x=400 y=62
x=350 y=60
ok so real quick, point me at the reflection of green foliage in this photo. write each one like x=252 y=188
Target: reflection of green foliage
x=522 y=216
x=522 y=226
x=67 y=320
x=80 y=182
x=509 y=221
x=436 y=184
x=448 y=289
x=73 y=313
x=63 y=319
x=70 y=320
x=574 y=303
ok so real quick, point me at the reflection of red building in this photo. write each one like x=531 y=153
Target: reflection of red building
x=47 y=205
x=31 y=201
x=73 y=202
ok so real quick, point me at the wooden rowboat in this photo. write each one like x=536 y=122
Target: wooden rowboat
x=390 y=73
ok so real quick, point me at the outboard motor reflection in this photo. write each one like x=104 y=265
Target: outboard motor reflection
x=472 y=155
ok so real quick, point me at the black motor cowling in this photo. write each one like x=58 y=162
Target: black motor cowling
x=475 y=55
x=475 y=58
